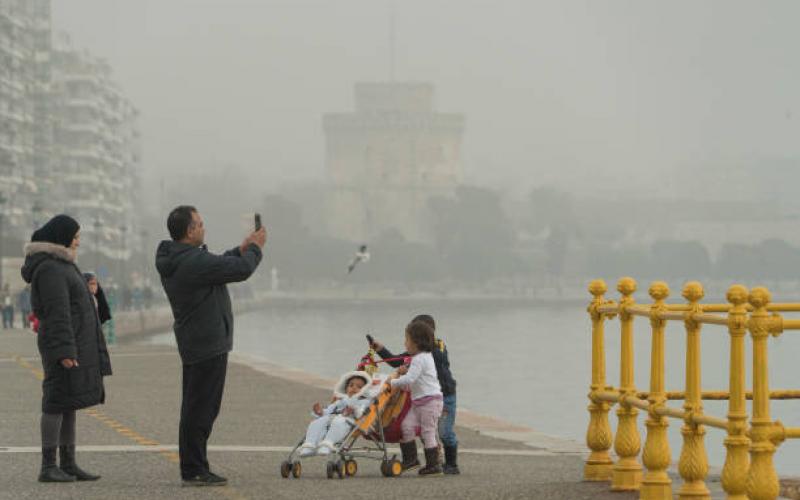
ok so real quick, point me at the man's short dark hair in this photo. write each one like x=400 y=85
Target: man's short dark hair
x=427 y=319
x=179 y=221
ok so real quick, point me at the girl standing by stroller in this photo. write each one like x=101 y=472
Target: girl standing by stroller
x=426 y=398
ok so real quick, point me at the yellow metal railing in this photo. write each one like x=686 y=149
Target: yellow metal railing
x=749 y=471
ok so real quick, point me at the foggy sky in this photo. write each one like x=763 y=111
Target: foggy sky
x=568 y=93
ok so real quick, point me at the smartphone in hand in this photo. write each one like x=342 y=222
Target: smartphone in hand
x=258 y=221
x=370 y=339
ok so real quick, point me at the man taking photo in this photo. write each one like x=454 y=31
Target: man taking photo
x=195 y=283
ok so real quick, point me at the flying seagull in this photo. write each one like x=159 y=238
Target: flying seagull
x=361 y=256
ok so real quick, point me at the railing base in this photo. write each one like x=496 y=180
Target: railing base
x=656 y=489
x=696 y=490
x=626 y=477
x=599 y=471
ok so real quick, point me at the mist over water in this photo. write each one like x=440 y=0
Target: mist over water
x=493 y=156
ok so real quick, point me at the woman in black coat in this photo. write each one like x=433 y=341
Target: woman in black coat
x=70 y=340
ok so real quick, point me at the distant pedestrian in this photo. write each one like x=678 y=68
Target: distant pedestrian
x=33 y=321
x=125 y=298
x=71 y=344
x=24 y=305
x=195 y=283
x=8 y=308
x=99 y=296
x=148 y=296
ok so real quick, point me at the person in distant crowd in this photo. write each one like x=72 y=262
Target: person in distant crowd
x=71 y=344
x=148 y=296
x=8 y=308
x=99 y=296
x=447 y=383
x=125 y=298
x=24 y=305
x=33 y=321
x=195 y=283
x=137 y=298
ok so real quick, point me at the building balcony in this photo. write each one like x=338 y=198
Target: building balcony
x=82 y=102
x=14 y=116
x=79 y=78
x=84 y=128
x=7 y=16
x=12 y=50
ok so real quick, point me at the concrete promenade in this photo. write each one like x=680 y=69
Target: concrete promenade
x=132 y=439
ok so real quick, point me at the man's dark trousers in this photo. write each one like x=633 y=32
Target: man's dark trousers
x=203 y=384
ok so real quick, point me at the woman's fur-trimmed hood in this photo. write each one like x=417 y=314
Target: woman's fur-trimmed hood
x=59 y=251
x=340 y=389
x=37 y=252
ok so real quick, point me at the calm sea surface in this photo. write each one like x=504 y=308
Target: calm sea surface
x=527 y=364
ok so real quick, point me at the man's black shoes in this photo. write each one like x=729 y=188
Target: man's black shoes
x=207 y=479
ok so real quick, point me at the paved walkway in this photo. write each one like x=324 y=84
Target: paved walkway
x=131 y=441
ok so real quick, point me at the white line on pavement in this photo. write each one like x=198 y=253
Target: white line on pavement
x=262 y=449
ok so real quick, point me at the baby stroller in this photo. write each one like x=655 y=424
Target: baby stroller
x=378 y=426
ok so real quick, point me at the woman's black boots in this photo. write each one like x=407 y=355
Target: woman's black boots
x=409 y=452
x=50 y=472
x=69 y=466
x=432 y=467
x=451 y=460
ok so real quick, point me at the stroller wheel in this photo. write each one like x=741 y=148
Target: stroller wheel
x=339 y=465
x=329 y=470
x=350 y=467
x=297 y=469
x=395 y=468
x=286 y=469
x=385 y=468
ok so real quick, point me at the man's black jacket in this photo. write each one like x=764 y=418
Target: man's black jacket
x=440 y=358
x=195 y=282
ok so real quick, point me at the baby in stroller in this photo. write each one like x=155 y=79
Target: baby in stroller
x=365 y=409
x=352 y=396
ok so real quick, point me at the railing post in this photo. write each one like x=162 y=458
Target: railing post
x=627 y=472
x=734 y=473
x=762 y=480
x=656 y=484
x=693 y=464
x=598 y=435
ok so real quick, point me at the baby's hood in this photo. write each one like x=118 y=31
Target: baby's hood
x=340 y=389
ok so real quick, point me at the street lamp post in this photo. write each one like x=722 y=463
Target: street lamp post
x=37 y=211
x=123 y=230
x=97 y=226
x=143 y=249
x=3 y=200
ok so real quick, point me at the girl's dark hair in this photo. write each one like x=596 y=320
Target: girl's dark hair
x=421 y=334
x=427 y=319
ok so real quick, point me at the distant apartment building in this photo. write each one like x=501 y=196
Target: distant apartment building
x=386 y=160
x=25 y=134
x=96 y=149
x=69 y=140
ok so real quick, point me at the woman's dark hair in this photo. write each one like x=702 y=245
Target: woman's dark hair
x=427 y=319
x=179 y=221
x=421 y=334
